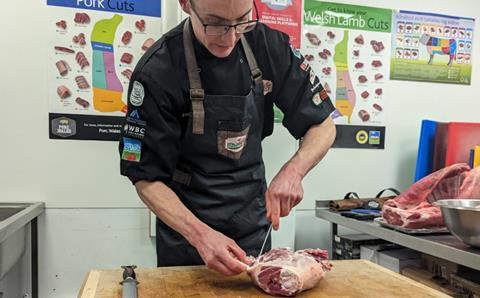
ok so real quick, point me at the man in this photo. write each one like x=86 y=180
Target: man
x=200 y=103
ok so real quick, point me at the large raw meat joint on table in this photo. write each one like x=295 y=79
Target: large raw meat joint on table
x=414 y=208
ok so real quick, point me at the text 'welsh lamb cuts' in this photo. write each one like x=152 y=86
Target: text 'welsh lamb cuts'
x=414 y=208
x=284 y=272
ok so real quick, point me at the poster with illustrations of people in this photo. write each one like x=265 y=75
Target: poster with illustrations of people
x=92 y=50
x=432 y=47
x=348 y=48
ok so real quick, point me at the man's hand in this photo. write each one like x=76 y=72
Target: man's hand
x=221 y=253
x=285 y=190
x=284 y=193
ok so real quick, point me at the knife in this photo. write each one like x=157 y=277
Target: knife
x=265 y=241
x=129 y=282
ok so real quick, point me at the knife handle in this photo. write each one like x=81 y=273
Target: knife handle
x=128 y=272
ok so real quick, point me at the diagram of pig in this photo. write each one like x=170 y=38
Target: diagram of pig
x=439 y=46
x=107 y=88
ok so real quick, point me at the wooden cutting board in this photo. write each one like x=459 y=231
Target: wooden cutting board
x=348 y=278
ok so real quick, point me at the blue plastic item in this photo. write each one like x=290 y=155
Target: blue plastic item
x=426 y=147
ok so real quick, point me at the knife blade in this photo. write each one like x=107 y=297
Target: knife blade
x=265 y=241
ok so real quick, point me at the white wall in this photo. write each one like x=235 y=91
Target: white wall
x=94 y=219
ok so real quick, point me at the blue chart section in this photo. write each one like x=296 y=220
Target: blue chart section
x=151 y=8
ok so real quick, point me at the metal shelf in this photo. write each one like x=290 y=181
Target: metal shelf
x=444 y=246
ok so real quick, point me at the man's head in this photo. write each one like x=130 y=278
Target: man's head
x=214 y=13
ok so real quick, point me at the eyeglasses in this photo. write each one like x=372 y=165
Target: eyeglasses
x=222 y=29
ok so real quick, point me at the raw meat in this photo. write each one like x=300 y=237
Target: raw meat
x=362 y=79
x=81 y=18
x=364 y=115
x=140 y=25
x=64 y=49
x=379 y=91
x=61 y=24
x=327 y=70
x=127 y=73
x=148 y=43
x=359 y=39
x=327 y=52
x=80 y=38
x=126 y=37
x=358 y=65
x=313 y=39
x=377 y=46
x=323 y=55
x=376 y=63
x=62 y=67
x=81 y=60
x=82 y=82
x=377 y=107
x=365 y=94
x=63 y=91
x=309 y=58
x=331 y=34
x=85 y=104
x=413 y=208
x=284 y=272
x=378 y=76
x=126 y=58
x=356 y=53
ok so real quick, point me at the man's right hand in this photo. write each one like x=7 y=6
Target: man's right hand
x=221 y=253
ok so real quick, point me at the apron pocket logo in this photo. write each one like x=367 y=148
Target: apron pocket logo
x=232 y=143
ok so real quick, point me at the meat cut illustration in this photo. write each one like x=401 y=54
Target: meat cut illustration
x=126 y=58
x=82 y=60
x=127 y=73
x=126 y=37
x=106 y=86
x=147 y=43
x=439 y=46
x=82 y=82
x=63 y=67
x=284 y=272
x=63 y=92
x=81 y=18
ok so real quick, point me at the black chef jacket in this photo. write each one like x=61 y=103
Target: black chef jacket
x=159 y=96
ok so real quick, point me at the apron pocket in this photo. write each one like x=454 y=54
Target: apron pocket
x=232 y=138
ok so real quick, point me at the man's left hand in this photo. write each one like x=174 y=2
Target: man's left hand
x=284 y=193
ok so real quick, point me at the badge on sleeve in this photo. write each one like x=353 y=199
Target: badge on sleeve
x=296 y=52
x=137 y=95
x=131 y=150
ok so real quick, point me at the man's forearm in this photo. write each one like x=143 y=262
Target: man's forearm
x=168 y=207
x=316 y=143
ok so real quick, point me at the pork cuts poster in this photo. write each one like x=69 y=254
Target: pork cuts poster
x=432 y=47
x=348 y=48
x=92 y=49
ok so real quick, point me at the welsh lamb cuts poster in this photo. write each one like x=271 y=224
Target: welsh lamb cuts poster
x=348 y=48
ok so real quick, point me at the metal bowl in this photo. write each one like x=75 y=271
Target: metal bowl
x=462 y=218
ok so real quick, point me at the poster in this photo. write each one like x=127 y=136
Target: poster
x=348 y=48
x=282 y=15
x=432 y=47
x=92 y=49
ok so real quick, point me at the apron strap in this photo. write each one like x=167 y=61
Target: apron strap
x=252 y=62
x=197 y=94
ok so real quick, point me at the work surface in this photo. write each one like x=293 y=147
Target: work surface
x=348 y=278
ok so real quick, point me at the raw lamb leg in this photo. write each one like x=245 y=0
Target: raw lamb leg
x=284 y=272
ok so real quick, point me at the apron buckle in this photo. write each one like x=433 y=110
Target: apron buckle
x=197 y=94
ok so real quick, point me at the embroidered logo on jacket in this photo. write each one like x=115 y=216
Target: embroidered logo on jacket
x=131 y=150
x=137 y=95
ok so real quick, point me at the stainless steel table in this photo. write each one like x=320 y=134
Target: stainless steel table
x=443 y=246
